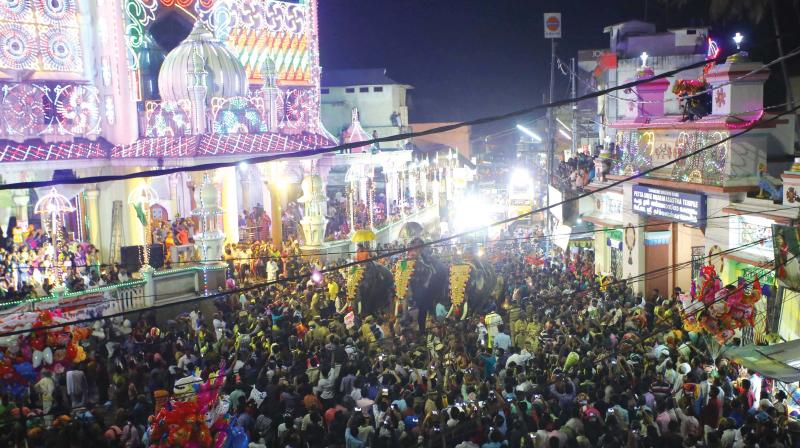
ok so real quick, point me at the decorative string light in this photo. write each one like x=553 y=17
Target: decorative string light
x=54 y=205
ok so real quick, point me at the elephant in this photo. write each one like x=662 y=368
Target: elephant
x=375 y=289
x=429 y=284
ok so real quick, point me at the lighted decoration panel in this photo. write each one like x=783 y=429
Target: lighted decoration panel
x=257 y=29
x=168 y=118
x=238 y=115
x=30 y=110
x=253 y=29
x=644 y=149
x=40 y=35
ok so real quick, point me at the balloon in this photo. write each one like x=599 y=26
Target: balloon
x=63 y=339
x=6 y=372
x=58 y=368
x=37 y=343
x=572 y=359
x=72 y=351
x=47 y=355
x=60 y=355
x=36 y=359
x=26 y=352
x=8 y=341
x=80 y=355
x=25 y=370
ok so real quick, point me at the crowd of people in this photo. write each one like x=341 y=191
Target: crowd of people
x=561 y=359
x=576 y=173
x=30 y=266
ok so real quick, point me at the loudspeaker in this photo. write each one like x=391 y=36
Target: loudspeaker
x=131 y=257
x=157 y=256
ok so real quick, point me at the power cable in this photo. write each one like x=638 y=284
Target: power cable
x=743 y=131
x=14 y=305
x=345 y=146
x=288 y=280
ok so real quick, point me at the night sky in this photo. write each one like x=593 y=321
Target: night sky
x=471 y=58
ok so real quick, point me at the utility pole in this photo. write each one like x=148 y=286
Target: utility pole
x=552 y=31
x=551 y=138
x=574 y=109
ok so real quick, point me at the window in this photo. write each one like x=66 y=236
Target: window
x=363 y=89
x=349 y=90
x=377 y=89
x=698 y=253
x=325 y=91
x=616 y=262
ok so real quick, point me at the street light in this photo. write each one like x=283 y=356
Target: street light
x=738 y=38
x=563 y=124
x=529 y=133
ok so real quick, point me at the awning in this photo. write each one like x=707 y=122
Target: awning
x=780 y=361
x=614 y=238
x=657 y=238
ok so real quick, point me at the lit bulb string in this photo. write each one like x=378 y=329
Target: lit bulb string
x=454 y=236
x=791 y=54
x=345 y=146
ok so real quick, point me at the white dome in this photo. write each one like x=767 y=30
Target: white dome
x=200 y=52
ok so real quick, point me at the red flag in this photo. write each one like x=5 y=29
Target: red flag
x=605 y=61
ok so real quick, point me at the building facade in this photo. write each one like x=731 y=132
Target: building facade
x=85 y=89
x=381 y=102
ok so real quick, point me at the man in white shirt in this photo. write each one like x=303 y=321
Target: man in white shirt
x=501 y=339
x=519 y=358
x=272 y=270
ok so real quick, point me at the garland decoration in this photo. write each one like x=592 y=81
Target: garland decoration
x=354 y=278
x=402 y=275
x=459 y=276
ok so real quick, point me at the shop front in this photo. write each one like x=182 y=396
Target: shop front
x=605 y=212
x=751 y=235
x=674 y=238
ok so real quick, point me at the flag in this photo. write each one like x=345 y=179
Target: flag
x=605 y=61
x=140 y=213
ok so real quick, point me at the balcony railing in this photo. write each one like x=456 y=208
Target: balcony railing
x=641 y=150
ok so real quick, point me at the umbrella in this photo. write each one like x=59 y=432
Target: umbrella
x=362 y=236
x=411 y=229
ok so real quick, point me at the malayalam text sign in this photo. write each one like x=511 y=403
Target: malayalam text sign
x=670 y=204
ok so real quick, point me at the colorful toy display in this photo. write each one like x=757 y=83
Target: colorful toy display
x=22 y=357
x=198 y=420
x=719 y=311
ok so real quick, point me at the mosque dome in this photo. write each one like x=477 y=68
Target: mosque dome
x=201 y=56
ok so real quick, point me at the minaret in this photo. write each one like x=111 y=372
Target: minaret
x=270 y=94
x=198 y=89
